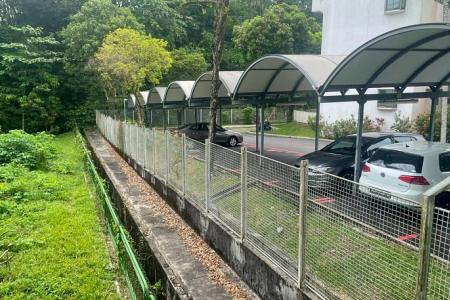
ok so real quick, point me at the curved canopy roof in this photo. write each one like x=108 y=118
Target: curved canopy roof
x=201 y=92
x=131 y=101
x=143 y=97
x=177 y=94
x=286 y=75
x=411 y=56
x=156 y=96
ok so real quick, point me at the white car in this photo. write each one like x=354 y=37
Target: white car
x=405 y=171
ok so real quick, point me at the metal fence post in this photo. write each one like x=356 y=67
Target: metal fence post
x=301 y=222
x=426 y=230
x=207 y=172
x=244 y=194
x=154 y=150
x=166 y=134
x=145 y=134
x=183 y=162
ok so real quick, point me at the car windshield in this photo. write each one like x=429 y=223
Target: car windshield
x=397 y=160
x=344 y=145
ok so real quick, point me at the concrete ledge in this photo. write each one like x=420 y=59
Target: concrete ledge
x=260 y=274
x=163 y=255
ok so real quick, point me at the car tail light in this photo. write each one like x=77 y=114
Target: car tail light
x=365 y=168
x=417 y=180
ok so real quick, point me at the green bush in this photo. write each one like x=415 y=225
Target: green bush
x=401 y=124
x=31 y=151
x=249 y=114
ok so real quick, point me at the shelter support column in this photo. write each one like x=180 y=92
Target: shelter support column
x=261 y=125
x=357 y=171
x=432 y=117
x=257 y=132
x=316 y=139
x=165 y=119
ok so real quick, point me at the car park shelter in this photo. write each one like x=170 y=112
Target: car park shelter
x=201 y=92
x=155 y=104
x=176 y=98
x=416 y=57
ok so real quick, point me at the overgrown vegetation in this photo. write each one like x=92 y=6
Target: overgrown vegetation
x=49 y=223
x=48 y=75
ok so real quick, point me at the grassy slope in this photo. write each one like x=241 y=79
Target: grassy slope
x=60 y=246
x=292 y=129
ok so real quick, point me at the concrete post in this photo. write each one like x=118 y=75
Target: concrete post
x=426 y=229
x=154 y=150
x=207 y=173
x=302 y=222
x=166 y=135
x=244 y=193
x=183 y=162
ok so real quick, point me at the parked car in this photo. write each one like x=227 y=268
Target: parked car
x=338 y=158
x=407 y=171
x=200 y=131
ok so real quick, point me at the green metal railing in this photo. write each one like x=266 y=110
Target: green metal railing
x=129 y=265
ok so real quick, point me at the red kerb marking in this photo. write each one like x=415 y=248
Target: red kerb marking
x=407 y=237
x=325 y=200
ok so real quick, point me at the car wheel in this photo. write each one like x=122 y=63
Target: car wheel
x=232 y=141
x=443 y=200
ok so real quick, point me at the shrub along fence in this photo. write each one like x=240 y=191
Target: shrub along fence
x=129 y=265
x=317 y=229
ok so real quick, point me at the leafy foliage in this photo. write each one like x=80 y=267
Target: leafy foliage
x=127 y=58
x=282 y=29
x=401 y=124
x=31 y=151
x=187 y=64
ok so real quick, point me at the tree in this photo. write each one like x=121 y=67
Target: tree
x=282 y=29
x=29 y=79
x=87 y=29
x=188 y=64
x=51 y=15
x=127 y=59
x=160 y=20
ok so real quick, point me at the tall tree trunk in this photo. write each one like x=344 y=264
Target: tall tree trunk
x=221 y=14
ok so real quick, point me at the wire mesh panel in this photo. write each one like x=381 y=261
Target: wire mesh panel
x=140 y=145
x=225 y=186
x=272 y=211
x=360 y=241
x=439 y=274
x=148 y=151
x=160 y=155
x=126 y=138
x=175 y=161
x=195 y=172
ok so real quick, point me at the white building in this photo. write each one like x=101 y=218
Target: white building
x=347 y=24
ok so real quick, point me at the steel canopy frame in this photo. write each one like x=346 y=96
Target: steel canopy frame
x=282 y=80
x=177 y=96
x=416 y=56
x=155 y=101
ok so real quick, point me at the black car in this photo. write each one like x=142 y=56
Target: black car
x=338 y=158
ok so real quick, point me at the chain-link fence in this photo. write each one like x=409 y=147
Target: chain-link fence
x=345 y=240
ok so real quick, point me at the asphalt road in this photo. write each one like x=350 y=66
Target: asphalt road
x=283 y=149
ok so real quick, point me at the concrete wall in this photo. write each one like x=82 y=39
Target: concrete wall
x=302 y=116
x=347 y=24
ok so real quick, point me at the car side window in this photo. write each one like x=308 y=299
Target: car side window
x=402 y=139
x=378 y=144
x=194 y=127
x=444 y=162
x=203 y=127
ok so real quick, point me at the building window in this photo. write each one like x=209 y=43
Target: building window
x=393 y=6
x=387 y=104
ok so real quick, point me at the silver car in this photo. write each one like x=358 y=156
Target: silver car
x=200 y=132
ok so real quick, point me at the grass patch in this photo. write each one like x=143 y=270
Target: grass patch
x=49 y=222
x=347 y=261
x=293 y=129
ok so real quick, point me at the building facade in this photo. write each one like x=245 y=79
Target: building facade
x=347 y=24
